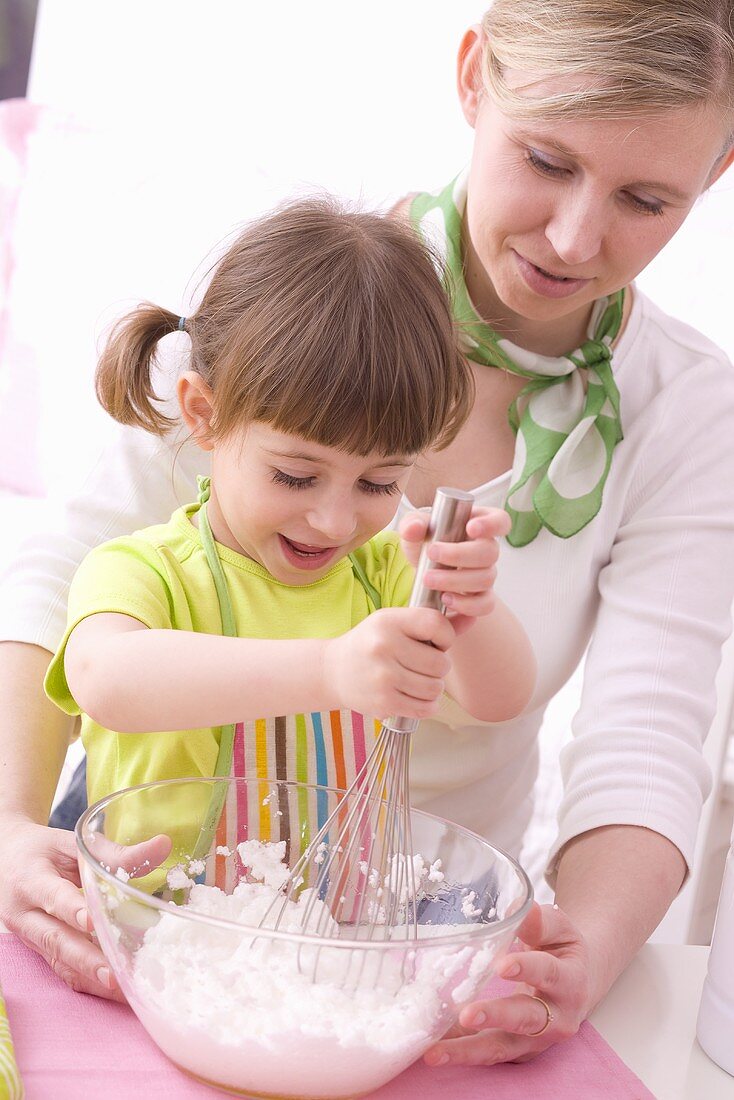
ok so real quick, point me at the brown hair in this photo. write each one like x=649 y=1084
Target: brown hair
x=325 y=322
x=631 y=55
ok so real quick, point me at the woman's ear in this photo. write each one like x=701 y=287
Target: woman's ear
x=197 y=407
x=469 y=72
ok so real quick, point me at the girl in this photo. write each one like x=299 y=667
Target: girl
x=323 y=363
x=595 y=129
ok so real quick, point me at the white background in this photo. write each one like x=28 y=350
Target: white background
x=201 y=115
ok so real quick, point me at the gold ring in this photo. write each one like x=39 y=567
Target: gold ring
x=549 y=1014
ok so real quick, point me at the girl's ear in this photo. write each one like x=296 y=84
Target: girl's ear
x=197 y=408
x=469 y=72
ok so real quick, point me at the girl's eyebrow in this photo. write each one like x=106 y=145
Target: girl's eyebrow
x=397 y=461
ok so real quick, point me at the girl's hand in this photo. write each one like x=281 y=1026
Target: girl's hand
x=394 y=662
x=466 y=587
x=555 y=966
x=42 y=903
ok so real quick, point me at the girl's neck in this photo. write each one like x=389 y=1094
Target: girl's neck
x=554 y=338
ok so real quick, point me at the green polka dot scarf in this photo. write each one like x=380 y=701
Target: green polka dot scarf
x=566 y=420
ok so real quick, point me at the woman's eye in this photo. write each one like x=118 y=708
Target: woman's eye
x=374 y=487
x=281 y=478
x=643 y=206
x=535 y=161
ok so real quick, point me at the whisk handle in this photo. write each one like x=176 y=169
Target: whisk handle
x=450 y=514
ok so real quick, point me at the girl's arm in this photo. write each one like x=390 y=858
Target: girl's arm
x=493 y=665
x=132 y=679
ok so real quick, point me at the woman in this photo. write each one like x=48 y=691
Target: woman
x=596 y=128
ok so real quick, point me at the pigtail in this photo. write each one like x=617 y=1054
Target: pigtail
x=123 y=377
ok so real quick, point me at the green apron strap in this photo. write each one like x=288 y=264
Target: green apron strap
x=229 y=629
x=226 y=736
x=361 y=576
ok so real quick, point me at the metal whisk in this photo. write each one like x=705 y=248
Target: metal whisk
x=359 y=870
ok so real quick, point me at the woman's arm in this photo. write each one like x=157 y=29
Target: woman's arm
x=34 y=735
x=133 y=679
x=634 y=775
x=616 y=884
x=40 y=890
x=134 y=481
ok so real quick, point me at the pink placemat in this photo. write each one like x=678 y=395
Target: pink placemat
x=71 y=1046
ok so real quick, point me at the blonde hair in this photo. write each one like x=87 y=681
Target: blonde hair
x=321 y=321
x=628 y=55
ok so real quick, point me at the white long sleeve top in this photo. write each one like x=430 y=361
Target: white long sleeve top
x=647 y=586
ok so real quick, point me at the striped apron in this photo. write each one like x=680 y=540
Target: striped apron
x=325 y=748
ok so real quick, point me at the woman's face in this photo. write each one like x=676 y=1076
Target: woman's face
x=561 y=214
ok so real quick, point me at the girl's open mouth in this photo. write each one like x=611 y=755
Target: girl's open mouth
x=304 y=556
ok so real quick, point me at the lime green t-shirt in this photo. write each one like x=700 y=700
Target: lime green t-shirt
x=161 y=577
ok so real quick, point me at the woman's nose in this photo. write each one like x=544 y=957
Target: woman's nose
x=576 y=230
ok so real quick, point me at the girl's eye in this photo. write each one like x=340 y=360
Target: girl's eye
x=535 y=161
x=645 y=207
x=281 y=478
x=374 y=487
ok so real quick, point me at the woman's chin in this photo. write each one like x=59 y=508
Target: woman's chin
x=520 y=302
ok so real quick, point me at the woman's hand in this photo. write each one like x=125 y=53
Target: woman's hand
x=393 y=662
x=466 y=586
x=554 y=966
x=42 y=903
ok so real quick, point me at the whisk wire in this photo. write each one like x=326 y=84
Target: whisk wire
x=369 y=869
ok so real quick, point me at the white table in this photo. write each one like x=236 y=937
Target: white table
x=649 y=1018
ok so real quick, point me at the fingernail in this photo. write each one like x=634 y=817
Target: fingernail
x=447 y=599
x=511 y=971
x=434 y=1059
x=478 y=1020
x=82 y=919
x=104 y=976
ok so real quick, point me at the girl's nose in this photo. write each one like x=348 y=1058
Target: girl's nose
x=576 y=230
x=334 y=519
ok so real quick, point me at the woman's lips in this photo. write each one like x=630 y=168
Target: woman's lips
x=545 y=283
x=304 y=556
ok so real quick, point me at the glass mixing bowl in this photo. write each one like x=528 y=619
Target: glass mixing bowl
x=265 y=1012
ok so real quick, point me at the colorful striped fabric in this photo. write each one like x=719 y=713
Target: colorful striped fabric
x=11 y=1086
x=326 y=748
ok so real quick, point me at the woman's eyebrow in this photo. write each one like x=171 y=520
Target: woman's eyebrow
x=663 y=189
x=553 y=143
x=647 y=185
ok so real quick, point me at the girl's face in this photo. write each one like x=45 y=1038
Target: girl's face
x=561 y=214
x=297 y=507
